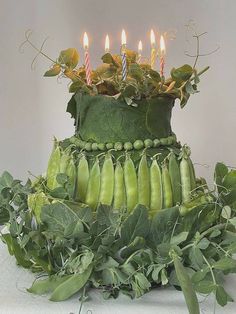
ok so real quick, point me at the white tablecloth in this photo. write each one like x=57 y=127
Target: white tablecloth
x=14 y=299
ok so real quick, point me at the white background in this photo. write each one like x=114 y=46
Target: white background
x=32 y=108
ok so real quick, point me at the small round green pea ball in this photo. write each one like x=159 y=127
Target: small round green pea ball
x=156 y=142
x=128 y=146
x=102 y=146
x=88 y=147
x=170 y=140
x=164 y=141
x=138 y=144
x=118 y=146
x=94 y=146
x=148 y=143
x=109 y=145
x=81 y=144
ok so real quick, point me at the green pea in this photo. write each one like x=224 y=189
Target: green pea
x=175 y=178
x=82 y=178
x=156 y=187
x=169 y=140
x=164 y=141
x=185 y=180
x=192 y=174
x=93 y=190
x=53 y=167
x=107 y=181
x=119 y=187
x=71 y=173
x=101 y=146
x=167 y=190
x=148 y=143
x=82 y=144
x=118 y=146
x=143 y=182
x=138 y=144
x=88 y=147
x=109 y=145
x=94 y=146
x=156 y=142
x=131 y=183
x=128 y=146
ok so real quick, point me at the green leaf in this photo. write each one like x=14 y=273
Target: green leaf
x=179 y=238
x=105 y=215
x=182 y=73
x=225 y=264
x=136 y=225
x=71 y=286
x=135 y=245
x=57 y=217
x=156 y=272
x=220 y=172
x=222 y=296
x=69 y=57
x=186 y=286
x=107 y=58
x=135 y=71
x=203 y=244
x=76 y=86
x=229 y=181
x=59 y=193
x=55 y=70
x=200 y=275
x=155 y=76
x=205 y=286
x=6 y=180
x=62 y=178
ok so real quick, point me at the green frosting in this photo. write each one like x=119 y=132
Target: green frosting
x=104 y=119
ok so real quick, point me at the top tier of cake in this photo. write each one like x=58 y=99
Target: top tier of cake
x=104 y=119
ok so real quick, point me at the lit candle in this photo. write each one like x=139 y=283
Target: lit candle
x=162 y=55
x=107 y=44
x=87 y=59
x=140 y=48
x=153 y=48
x=123 y=55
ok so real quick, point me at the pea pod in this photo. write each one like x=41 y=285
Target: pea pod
x=53 y=167
x=166 y=184
x=65 y=158
x=82 y=178
x=131 y=183
x=107 y=181
x=156 y=187
x=175 y=178
x=186 y=285
x=93 y=190
x=143 y=182
x=192 y=174
x=71 y=173
x=119 y=187
x=185 y=179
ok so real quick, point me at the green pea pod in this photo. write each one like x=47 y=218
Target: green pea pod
x=53 y=167
x=107 y=181
x=82 y=178
x=64 y=162
x=71 y=173
x=167 y=190
x=131 y=183
x=186 y=286
x=175 y=178
x=72 y=285
x=144 y=182
x=35 y=202
x=185 y=180
x=93 y=190
x=119 y=187
x=192 y=174
x=156 y=187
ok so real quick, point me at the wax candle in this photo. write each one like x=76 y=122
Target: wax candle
x=107 y=44
x=140 y=48
x=87 y=59
x=123 y=55
x=153 y=48
x=162 y=55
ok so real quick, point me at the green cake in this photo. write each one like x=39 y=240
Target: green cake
x=120 y=208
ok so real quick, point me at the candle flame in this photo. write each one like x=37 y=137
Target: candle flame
x=140 y=46
x=162 y=45
x=107 y=43
x=152 y=38
x=86 y=41
x=123 y=37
